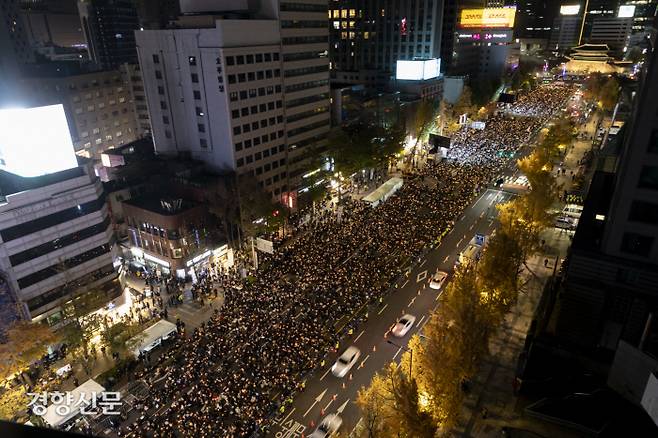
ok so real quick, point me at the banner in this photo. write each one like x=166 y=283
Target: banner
x=264 y=245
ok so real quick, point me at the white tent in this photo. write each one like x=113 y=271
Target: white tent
x=80 y=395
x=383 y=192
x=151 y=337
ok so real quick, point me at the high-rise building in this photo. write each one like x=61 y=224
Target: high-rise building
x=157 y=14
x=610 y=289
x=593 y=10
x=450 y=30
x=613 y=31
x=566 y=29
x=14 y=46
x=244 y=90
x=368 y=37
x=109 y=27
x=534 y=21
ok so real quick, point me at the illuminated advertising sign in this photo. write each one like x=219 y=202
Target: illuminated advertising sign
x=418 y=70
x=569 y=9
x=498 y=36
x=626 y=11
x=35 y=141
x=488 y=18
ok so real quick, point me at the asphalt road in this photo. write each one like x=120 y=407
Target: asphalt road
x=324 y=393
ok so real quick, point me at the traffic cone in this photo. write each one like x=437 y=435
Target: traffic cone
x=374 y=348
x=343 y=385
x=322 y=412
x=350 y=376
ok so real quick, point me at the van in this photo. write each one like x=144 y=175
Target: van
x=470 y=254
x=572 y=210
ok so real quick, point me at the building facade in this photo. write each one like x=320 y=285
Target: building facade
x=239 y=93
x=367 y=38
x=109 y=27
x=610 y=291
x=14 y=47
x=534 y=21
x=132 y=78
x=99 y=107
x=55 y=239
x=613 y=31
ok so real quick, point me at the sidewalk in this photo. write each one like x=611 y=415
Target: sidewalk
x=491 y=403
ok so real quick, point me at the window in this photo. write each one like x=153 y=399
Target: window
x=263 y=123
x=246 y=128
x=156 y=59
x=250 y=59
x=262 y=107
x=637 y=244
x=163 y=105
x=240 y=162
x=251 y=76
x=165 y=120
x=161 y=90
x=192 y=60
x=254 y=125
x=231 y=79
x=195 y=78
x=233 y=96
x=275 y=56
x=645 y=212
x=268 y=57
x=230 y=60
x=238 y=146
x=237 y=130
x=242 y=77
x=270 y=90
x=252 y=92
x=279 y=104
x=256 y=141
x=245 y=111
x=270 y=105
x=250 y=159
x=243 y=94
x=235 y=114
x=167 y=133
x=261 y=91
x=199 y=111
x=259 y=57
x=158 y=74
x=197 y=95
x=254 y=109
x=201 y=127
x=261 y=75
x=259 y=170
x=264 y=138
x=203 y=143
x=239 y=59
x=649 y=178
x=247 y=144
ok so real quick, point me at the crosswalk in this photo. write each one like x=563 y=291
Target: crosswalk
x=514 y=183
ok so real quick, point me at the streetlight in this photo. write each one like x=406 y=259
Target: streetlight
x=409 y=350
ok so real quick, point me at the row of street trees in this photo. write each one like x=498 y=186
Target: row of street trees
x=423 y=398
x=603 y=89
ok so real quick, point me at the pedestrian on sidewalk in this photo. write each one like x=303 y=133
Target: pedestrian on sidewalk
x=545 y=263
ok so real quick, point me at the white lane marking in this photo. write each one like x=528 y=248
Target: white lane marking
x=342 y=407
x=315 y=402
x=357 y=338
x=325 y=374
x=460 y=241
x=421 y=320
x=357 y=425
x=330 y=402
x=481 y=215
x=405 y=283
x=446 y=259
x=421 y=265
x=411 y=302
x=480 y=198
x=422 y=276
x=398 y=352
x=363 y=361
x=289 y=414
x=472 y=226
x=380 y=312
x=423 y=325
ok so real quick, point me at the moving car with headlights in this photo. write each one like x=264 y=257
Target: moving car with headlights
x=403 y=325
x=438 y=279
x=346 y=361
x=327 y=427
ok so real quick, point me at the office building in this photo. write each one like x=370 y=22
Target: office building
x=14 y=46
x=109 y=27
x=157 y=14
x=217 y=86
x=367 y=38
x=132 y=79
x=593 y=10
x=98 y=105
x=53 y=24
x=450 y=30
x=565 y=32
x=55 y=235
x=613 y=31
x=534 y=23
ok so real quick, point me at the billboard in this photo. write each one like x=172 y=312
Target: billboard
x=626 y=11
x=497 y=36
x=35 y=141
x=418 y=70
x=569 y=9
x=488 y=18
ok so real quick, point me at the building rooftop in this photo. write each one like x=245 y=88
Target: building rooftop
x=164 y=205
x=11 y=183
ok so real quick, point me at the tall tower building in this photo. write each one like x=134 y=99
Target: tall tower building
x=369 y=37
x=14 y=47
x=450 y=30
x=243 y=89
x=109 y=27
x=534 y=19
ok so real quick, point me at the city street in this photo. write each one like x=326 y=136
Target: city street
x=325 y=393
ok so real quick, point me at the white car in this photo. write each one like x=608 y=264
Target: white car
x=438 y=279
x=403 y=325
x=327 y=427
x=346 y=361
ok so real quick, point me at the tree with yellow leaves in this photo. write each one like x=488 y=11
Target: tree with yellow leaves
x=23 y=344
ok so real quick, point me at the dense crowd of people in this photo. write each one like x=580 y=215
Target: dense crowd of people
x=229 y=376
